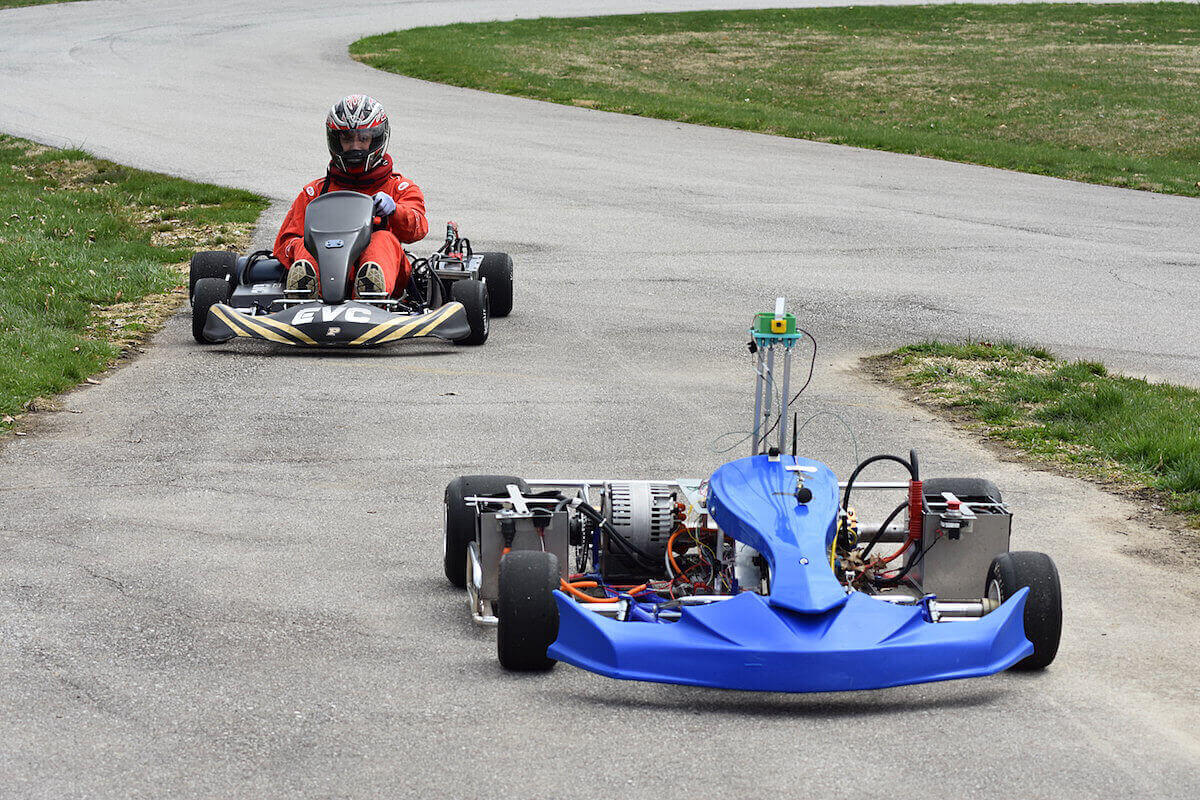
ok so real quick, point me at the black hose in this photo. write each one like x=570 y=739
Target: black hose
x=629 y=547
x=912 y=470
x=879 y=534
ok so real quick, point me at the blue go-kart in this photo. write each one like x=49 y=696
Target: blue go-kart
x=760 y=577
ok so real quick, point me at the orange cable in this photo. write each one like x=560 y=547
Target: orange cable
x=587 y=598
x=671 y=551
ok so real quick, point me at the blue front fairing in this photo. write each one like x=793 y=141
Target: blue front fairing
x=809 y=635
x=754 y=501
x=744 y=643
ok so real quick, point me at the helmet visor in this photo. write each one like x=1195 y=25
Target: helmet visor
x=355 y=145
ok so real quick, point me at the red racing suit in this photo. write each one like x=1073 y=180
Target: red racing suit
x=408 y=223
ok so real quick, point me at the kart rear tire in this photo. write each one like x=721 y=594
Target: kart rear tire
x=473 y=295
x=209 y=292
x=963 y=488
x=212 y=264
x=497 y=270
x=459 y=530
x=1008 y=574
x=527 y=612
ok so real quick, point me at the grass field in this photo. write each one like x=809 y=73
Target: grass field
x=1121 y=431
x=91 y=258
x=1101 y=93
x=17 y=3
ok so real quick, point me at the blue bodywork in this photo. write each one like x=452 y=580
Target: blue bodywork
x=809 y=634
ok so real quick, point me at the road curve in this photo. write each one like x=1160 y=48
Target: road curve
x=221 y=577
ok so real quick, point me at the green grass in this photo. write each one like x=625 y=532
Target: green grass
x=85 y=244
x=18 y=3
x=1101 y=93
x=1123 y=431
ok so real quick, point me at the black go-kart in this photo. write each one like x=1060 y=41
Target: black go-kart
x=451 y=295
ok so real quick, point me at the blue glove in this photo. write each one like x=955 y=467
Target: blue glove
x=385 y=206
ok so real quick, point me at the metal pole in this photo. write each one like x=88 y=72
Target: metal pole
x=785 y=401
x=766 y=414
x=758 y=391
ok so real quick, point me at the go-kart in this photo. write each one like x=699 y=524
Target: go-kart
x=760 y=577
x=452 y=295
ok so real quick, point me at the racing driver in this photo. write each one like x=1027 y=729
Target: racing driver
x=357 y=130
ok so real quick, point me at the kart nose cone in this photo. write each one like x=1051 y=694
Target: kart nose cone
x=349 y=324
x=745 y=643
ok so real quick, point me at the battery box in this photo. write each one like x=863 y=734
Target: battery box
x=491 y=545
x=958 y=549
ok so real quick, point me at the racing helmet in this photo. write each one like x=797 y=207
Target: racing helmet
x=357 y=112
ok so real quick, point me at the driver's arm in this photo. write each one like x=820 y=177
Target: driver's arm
x=408 y=222
x=290 y=239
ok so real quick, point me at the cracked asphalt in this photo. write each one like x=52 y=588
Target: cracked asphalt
x=222 y=577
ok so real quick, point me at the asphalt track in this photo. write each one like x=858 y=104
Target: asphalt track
x=221 y=577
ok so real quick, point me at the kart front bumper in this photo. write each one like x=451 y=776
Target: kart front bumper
x=746 y=643
x=349 y=324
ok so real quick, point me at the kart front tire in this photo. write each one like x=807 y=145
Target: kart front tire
x=459 y=530
x=497 y=270
x=1008 y=574
x=473 y=295
x=212 y=264
x=527 y=612
x=209 y=292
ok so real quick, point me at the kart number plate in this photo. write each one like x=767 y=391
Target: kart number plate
x=331 y=244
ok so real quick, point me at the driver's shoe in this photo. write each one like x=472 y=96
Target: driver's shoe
x=302 y=280
x=370 y=281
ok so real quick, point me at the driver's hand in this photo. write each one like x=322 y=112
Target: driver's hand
x=385 y=206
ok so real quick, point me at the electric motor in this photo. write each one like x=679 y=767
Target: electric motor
x=643 y=514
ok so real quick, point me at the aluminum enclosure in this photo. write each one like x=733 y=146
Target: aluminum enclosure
x=556 y=540
x=955 y=563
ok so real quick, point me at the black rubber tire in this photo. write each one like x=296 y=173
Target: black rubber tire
x=459 y=530
x=474 y=297
x=527 y=611
x=209 y=292
x=963 y=488
x=212 y=264
x=1010 y=572
x=497 y=270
